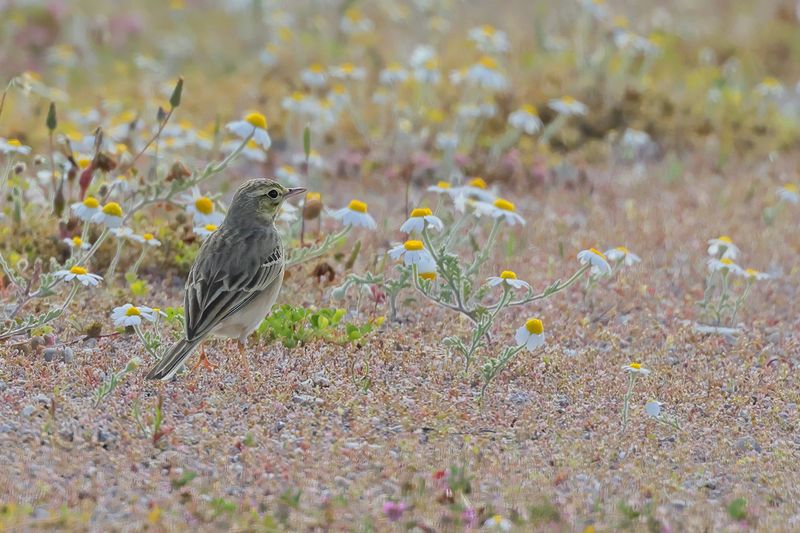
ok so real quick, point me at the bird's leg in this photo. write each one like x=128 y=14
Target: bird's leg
x=203 y=360
x=246 y=365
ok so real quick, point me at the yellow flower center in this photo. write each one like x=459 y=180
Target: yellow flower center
x=505 y=205
x=148 y=236
x=497 y=519
x=413 y=246
x=530 y=109
x=316 y=68
x=622 y=249
x=14 y=142
x=313 y=197
x=251 y=144
x=394 y=66
x=534 y=326
x=256 y=120
x=297 y=96
x=443 y=185
x=210 y=227
x=84 y=162
x=430 y=276
x=339 y=88
x=77 y=241
x=358 y=206
x=421 y=212
x=347 y=68
x=436 y=116
x=478 y=182
x=597 y=252
x=288 y=169
x=568 y=100
x=508 y=274
x=771 y=82
x=133 y=311
x=91 y=202
x=635 y=366
x=488 y=29
x=78 y=271
x=752 y=272
x=790 y=187
x=488 y=62
x=354 y=14
x=621 y=21
x=431 y=64
x=725 y=239
x=726 y=261
x=204 y=205
x=112 y=209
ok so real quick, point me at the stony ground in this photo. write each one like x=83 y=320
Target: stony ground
x=331 y=433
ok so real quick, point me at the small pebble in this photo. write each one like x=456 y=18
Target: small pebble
x=28 y=410
x=50 y=354
x=68 y=355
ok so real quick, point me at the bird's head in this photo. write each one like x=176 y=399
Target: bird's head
x=260 y=199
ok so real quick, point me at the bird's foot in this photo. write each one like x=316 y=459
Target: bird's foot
x=204 y=362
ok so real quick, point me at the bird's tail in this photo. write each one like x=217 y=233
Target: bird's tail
x=172 y=361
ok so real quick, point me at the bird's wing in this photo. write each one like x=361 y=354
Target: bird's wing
x=231 y=269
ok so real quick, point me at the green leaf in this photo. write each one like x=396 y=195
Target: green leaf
x=184 y=479
x=175 y=99
x=52 y=121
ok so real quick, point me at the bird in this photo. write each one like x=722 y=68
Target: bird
x=236 y=276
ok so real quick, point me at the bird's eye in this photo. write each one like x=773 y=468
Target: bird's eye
x=273 y=193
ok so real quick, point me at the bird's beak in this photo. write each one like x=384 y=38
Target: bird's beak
x=294 y=191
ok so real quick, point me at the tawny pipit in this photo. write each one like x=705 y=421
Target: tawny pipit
x=236 y=276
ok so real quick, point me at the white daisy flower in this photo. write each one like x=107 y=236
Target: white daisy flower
x=315 y=160
x=314 y=76
x=770 y=88
x=530 y=335
x=446 y=141
x=789 y=193
x=485 y=74
x=752 y=274
x=421 y=218
x=428 y=72
x=421 y=55
x=86 y=209
x=724 y=265
x=426 y=270
x=348 y=71
x=500 y=209
x=394 y=74
x=653 y=408
x=595 y=257
x=147 y=239
x=412 y=252
x=355 y=214
x=110 y=215
x=254 y=124
x=269 y=55
x=526 y=119
x=354 y=22
x=76 y=242
x=468 y=111
x=723 y=245
x=251 y=151
x=123 y=232
x=567 y=105
x=635 y=139
x=298 y=102
x=288 y=174
x=478 y=188
x=441 y=187
x=635 y=368
x=597 y=8
x=621 y=253
x=131 y=315
x=487 y=109
x=202 y=208
x=13 y=146
x=205 y=231
x=508 y=277
x=81 y=274
x=489 y=40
